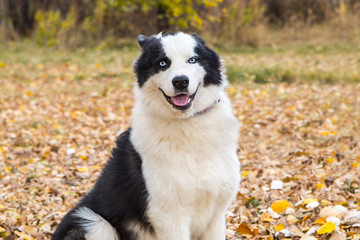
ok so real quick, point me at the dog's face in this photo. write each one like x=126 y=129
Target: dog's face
x=177 y=75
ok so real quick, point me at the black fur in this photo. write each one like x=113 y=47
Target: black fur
x=210 y=62
x=119 y=195
x=148 y=63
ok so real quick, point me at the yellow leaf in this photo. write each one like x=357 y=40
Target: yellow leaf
x=98 y=65
x=330 y=160
x=335 y=120
x=2 y=207
x=328 y=227
x=245 y=229
x=306 y=217
x=325 y=202
x=320 y=220
x=96 y=167
x=265 y=217
x=244 y=173
x=355 y=164
x=83 y=157
x=2 y=230
x=319 y=186
x=344 y=203
x=280 y=205
x=23 y=235
x=2 y=149
x=309 y=200
x=28 y=93
x=279 y=227
x=2 y=64
x=7 y=169
x=85 y=169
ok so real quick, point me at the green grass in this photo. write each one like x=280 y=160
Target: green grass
x=291 y=63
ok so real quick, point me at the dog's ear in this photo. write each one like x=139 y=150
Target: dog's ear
x=142 y=40
x=198 y=39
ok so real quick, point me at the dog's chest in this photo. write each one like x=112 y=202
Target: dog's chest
x=193 y=167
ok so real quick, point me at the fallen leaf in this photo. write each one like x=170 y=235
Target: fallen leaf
x=279 y=227
x=277 y=185
x=307 y=237
x=245 y=229
x=337 y=236
x=265 y=217
x=320 y=220
x=291 y=219
x=328 y=212
x=84 y=169
x=306 y=217
x=334 y=220
x=280 y=206
x=328 y=227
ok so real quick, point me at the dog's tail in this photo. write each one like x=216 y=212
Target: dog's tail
x=95 y=226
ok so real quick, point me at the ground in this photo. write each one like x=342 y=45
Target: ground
x=60 y=113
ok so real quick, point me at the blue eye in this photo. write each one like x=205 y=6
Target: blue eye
x=162 y=63
x=192 y=60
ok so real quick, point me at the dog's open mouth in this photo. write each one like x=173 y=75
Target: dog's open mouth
x=182 y=101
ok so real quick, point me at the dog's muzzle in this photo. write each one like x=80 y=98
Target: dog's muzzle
x=181 y=101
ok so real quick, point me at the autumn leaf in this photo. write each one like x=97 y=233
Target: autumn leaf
x=84 y=169
x=245 y=229
x=328 y=227
x=320 y=220
x=279 y=227
x=309 y=200
x=280 y=206
x=265 y=217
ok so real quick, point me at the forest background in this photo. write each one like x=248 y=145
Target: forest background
x=75 y=23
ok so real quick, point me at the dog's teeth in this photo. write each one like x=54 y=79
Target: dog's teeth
x=189 y=99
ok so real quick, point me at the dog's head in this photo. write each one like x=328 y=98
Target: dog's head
x=177 y=74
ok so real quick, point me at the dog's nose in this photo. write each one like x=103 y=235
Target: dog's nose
x=180 y=82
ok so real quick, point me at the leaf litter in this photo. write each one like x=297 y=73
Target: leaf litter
x=299 y=150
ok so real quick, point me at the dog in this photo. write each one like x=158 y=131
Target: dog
x=175 y=171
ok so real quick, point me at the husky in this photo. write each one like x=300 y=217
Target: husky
x=175 y=171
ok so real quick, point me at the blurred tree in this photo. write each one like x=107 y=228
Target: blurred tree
x=100 y=19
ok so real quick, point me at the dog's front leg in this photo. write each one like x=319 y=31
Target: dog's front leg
x=216 y=229
x=172 y=225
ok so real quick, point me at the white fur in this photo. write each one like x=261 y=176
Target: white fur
x=139 y=231
x=95 y=226
x=190 y=164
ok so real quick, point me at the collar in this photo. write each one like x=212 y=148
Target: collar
x=206 y=109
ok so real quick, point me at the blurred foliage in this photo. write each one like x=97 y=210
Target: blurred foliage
x=48 y=27
x=239 y=19
x=83 y=22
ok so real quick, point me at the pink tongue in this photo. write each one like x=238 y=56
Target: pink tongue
x=180 y=100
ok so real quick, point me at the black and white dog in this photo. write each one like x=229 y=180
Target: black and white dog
x=173 y=174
